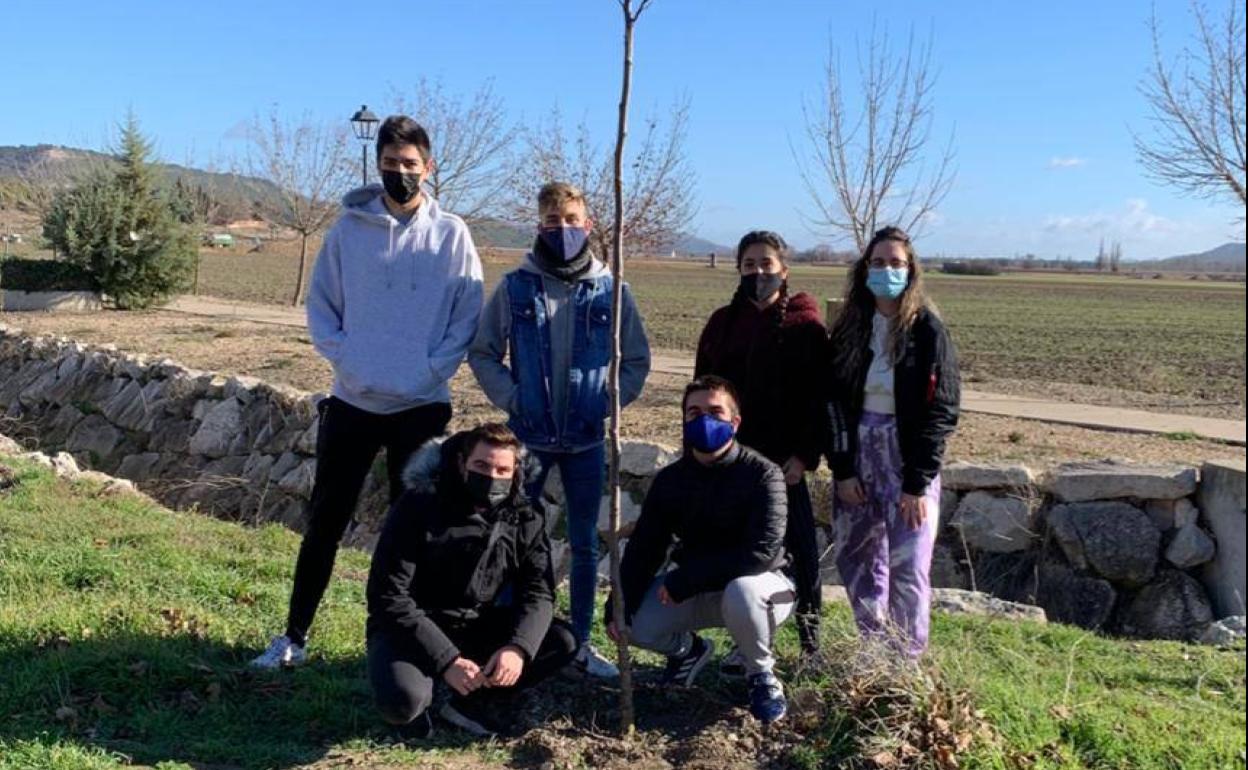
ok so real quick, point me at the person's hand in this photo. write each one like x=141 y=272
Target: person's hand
x=850 y=491
x=613 y=631
x=665 y=598
x=793 y=469
x=463 y=676
x=913 y=510
x=504 y=667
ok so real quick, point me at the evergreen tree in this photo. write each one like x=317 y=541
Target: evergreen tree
x=123 y=230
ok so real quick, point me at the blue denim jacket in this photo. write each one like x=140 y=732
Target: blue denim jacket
x=533 y=415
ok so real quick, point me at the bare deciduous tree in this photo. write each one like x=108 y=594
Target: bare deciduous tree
x=471 y=138
x=308 y=165
x=658 y=197
x=1197 y=145
x=631 y=13
x=865 y=164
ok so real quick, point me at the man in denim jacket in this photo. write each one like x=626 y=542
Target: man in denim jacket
x=541 y=354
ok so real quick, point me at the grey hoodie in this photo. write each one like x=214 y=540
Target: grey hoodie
x=393 y=305
x=489 y=349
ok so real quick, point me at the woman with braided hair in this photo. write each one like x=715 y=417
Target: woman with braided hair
x=772 y=346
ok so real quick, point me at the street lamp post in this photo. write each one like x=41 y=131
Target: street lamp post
x=364 y=124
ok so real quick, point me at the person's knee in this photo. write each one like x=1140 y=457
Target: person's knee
x=741 y=596
x=401 y=705
x=560 y=641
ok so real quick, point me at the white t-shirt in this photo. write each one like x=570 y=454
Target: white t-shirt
x=878 y=392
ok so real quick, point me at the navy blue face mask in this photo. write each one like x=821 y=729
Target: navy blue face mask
x=564 y=244
x=707 y=433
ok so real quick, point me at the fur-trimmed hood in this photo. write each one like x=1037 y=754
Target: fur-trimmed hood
x=437 y=458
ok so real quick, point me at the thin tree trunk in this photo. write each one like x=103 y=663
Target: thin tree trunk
x=303 y=270
x=617 y=303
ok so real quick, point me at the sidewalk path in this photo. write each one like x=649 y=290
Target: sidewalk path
x=1023 y=407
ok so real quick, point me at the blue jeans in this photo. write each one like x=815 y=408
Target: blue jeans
x=583 y=475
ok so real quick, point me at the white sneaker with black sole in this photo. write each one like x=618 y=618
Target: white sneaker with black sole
x=281 y=653
x=683 y=669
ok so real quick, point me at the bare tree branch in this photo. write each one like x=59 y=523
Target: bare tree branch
x=471 y=138
x=660 y=200
x=1197 y=143
x=307 y=164
x=865 y=169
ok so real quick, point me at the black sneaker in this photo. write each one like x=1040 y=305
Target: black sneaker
x=419 y=729
x=683 y=669
x=469 y=715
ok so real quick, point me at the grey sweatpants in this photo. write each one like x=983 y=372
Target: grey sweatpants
x=750 y=607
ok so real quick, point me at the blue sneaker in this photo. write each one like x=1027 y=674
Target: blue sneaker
x=767 y=702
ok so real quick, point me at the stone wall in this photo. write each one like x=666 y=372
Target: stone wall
x=1112 y=546
x=234 y=447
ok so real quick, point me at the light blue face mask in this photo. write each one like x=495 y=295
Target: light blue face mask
x=888 y=282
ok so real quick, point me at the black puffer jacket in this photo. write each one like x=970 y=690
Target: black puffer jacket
x=439 y=561
x=727 y=520
x=928 y=393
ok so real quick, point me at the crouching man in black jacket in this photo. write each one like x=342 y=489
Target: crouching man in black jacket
x=460 y=533
x=725 y=507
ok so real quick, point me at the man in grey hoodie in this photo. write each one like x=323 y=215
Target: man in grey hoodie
x=394 y=301
x=541 y=354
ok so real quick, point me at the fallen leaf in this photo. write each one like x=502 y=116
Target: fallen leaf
x=214 y=692
x=884 y=759
x=140 y=668
x=101 y=706
x=66 y=714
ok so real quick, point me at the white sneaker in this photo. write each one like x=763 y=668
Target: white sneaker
x=594 y=664
x=282 y=653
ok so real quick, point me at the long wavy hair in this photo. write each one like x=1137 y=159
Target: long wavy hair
x=851 y=333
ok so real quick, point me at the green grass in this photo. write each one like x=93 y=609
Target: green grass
x=1173 y=337
x=125 y=630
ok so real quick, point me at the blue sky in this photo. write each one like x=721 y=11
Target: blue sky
x=1041 y=97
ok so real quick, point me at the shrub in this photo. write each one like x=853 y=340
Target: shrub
x=44 y=275
x=969 y=268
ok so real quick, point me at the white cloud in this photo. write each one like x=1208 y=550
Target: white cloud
x=1134 y=218
x=1060 y=161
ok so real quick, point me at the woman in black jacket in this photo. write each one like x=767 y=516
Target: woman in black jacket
x=894 y=403
x=771 y=344
x=438 y=614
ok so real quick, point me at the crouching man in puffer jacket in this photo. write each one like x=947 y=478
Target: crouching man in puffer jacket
x=461 y=590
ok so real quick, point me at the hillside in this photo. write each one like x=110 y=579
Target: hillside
x=1227 y=258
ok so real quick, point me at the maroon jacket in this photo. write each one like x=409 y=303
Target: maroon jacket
x=778 y=370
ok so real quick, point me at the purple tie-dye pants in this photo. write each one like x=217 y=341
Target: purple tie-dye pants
x=884 y=563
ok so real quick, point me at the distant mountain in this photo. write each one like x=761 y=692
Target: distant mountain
x=692 y=244
x=235 y=194
x=1227 y=258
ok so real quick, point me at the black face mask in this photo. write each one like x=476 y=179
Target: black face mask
x=487 y=490
x=760 y=286
x=401 y=188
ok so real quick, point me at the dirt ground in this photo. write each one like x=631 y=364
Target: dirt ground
x=284 y=354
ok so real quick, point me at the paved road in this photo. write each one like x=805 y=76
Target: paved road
x=1066 y=413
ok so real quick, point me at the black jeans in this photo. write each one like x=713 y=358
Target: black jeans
x=403 y=690
x=347 y=442
x=800 y=541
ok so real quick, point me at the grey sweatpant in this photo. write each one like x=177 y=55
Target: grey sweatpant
x=750 y=607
